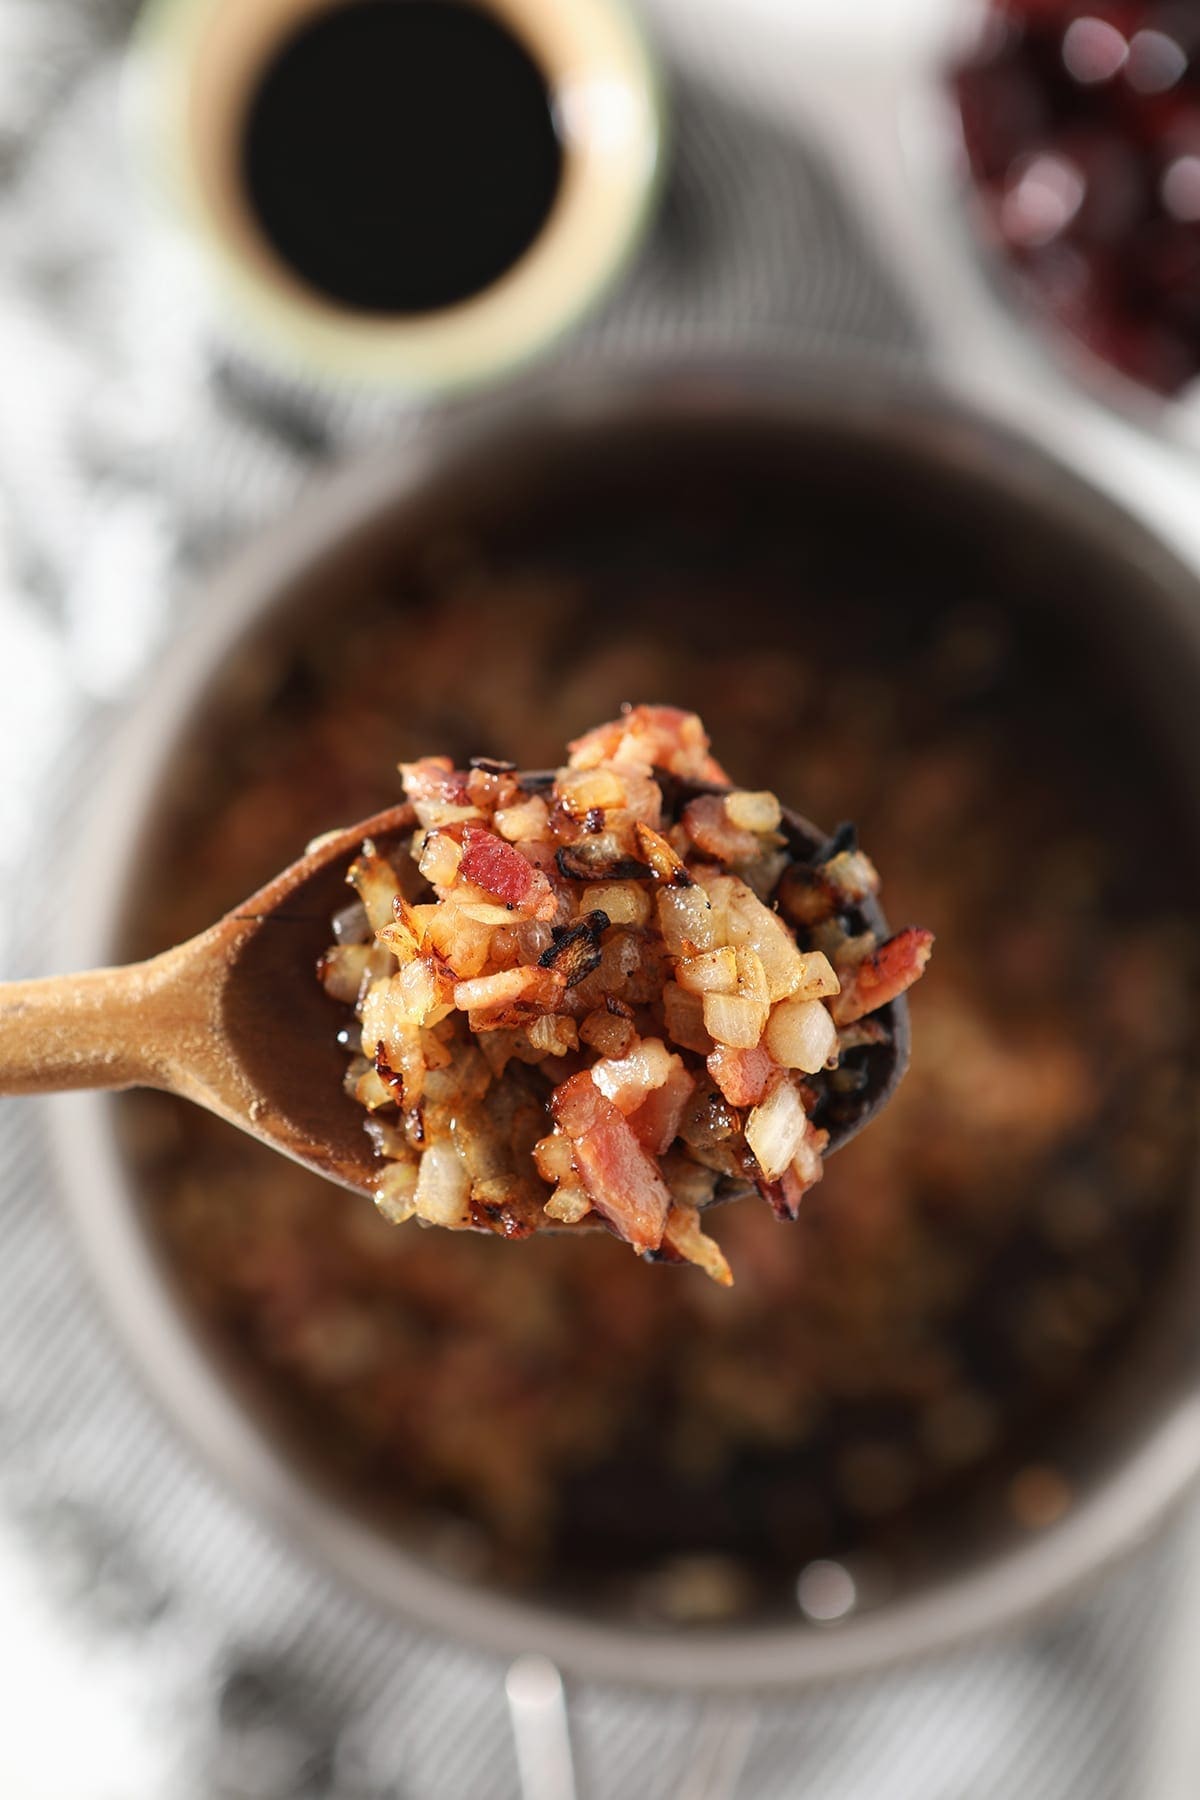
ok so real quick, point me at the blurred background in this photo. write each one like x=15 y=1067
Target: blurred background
x=930 y=265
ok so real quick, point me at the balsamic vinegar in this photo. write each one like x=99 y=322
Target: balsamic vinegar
x=401 y=155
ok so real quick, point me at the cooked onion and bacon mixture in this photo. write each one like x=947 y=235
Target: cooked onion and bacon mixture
x=596 y=996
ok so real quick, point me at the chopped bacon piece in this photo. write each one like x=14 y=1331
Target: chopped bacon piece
x=784 y=1196
x=883 y=975
x=499 y=869
x=624 y=1184
x=434 y=778
x=743 y=1076
x=656 y=737
x=657 y=1120
x=712 y=831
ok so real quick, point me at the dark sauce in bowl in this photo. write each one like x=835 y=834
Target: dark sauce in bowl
x=933 y=1356
x=401 y=155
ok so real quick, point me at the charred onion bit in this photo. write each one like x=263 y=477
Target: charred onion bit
x=576 y=951
x=602 y=993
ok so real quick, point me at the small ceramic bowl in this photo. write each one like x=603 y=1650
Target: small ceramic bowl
x=194 y=68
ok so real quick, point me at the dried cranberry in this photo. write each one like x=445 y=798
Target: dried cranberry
x=1081 y=120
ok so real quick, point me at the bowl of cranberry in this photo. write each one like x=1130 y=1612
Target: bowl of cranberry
x=1081 y=122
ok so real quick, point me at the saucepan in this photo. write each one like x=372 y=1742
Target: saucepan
x=806 y=556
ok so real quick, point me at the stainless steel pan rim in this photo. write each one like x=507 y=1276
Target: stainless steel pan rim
x=1016 y=1583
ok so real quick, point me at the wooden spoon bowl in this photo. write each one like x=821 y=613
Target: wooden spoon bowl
x=236 y=1020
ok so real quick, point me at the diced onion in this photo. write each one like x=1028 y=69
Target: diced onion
x=484 y=912
x=386 y=1139
x=395 y=1192
x=712 y=972
x=460 y=939
x=434 y=814
x=818 y=980
x=386 y=1015
x=527 y=822
x=440 y=858
x=420 y=994
x=419 y=919
x=464 y=1078
x=372 y=1092
x=623 y=902
x=687 y=921
x=733 y=1020
x=351 y=925
x=853 y=876
x=751 y=976
x=755 y=926
x=627 y=1082
x=807 y=1164
x=375 y=882
x=764 y=873
x=342 y=969
x=582 y=790
x=753 y=812
x=568 y=1204
x=398 y=941
x=490 y=991
x=801 y=1034
x=554 y=1035
x=443 y=1188
x=609 y=1033
x=554 y=1158
x=776 y=1130
x=684 y=1017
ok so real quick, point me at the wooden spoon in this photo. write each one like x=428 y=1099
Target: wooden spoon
x=236 y=1020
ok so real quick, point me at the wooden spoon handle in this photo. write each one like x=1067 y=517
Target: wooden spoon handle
x=80 y=1031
